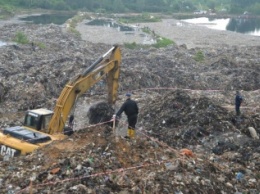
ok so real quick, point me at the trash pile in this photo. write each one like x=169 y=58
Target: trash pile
x=95 y=161
x=192 y=119
x=183 y=121
x=188 y=138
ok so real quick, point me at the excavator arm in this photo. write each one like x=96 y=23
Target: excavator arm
x=42 y=126
x=103 y=67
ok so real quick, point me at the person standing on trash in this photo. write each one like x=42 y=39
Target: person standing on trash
x=238 y=102
x=130 y=108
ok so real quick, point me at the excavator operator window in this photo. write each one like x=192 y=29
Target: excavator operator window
x=45 y=122
x=31 y=120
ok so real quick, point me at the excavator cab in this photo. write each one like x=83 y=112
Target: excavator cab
x=38 y=119
x=32 y=134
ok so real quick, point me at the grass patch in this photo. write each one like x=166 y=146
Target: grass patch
x=146 y=30
x=6 y=11
x=75 y=32
x=21 y=38
x=160 y=41
x=76 y=19
x=41 y=45
x=163 y=42
x=134 y=45
x=72 y=23
x=199 y=56
x=139 y=19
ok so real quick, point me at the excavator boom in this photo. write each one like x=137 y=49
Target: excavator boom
x=42 y=126
x=83 y=82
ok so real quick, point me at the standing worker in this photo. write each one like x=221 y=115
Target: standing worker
x=238 y=102
x=130 y=108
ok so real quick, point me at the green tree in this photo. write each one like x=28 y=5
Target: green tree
x=239 y=6
x=211 y=4
x=118 y=6
x=255 y=8
x=236 y=6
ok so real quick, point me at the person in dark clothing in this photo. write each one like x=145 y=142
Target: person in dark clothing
x=238 y=102
x=71 y=119
x=130 y=108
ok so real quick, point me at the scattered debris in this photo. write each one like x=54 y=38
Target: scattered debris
x=189 y=139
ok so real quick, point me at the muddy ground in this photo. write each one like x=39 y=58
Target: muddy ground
x=188 y=137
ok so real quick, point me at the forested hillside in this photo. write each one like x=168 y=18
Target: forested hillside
x=231 y=6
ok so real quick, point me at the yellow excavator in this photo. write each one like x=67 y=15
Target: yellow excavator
x=42 y=126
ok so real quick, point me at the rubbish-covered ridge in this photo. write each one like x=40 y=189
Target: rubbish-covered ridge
x=189 y=139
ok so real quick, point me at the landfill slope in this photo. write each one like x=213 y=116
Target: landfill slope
x=189 y=139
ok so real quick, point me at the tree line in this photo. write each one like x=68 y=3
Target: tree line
x=121 y=6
